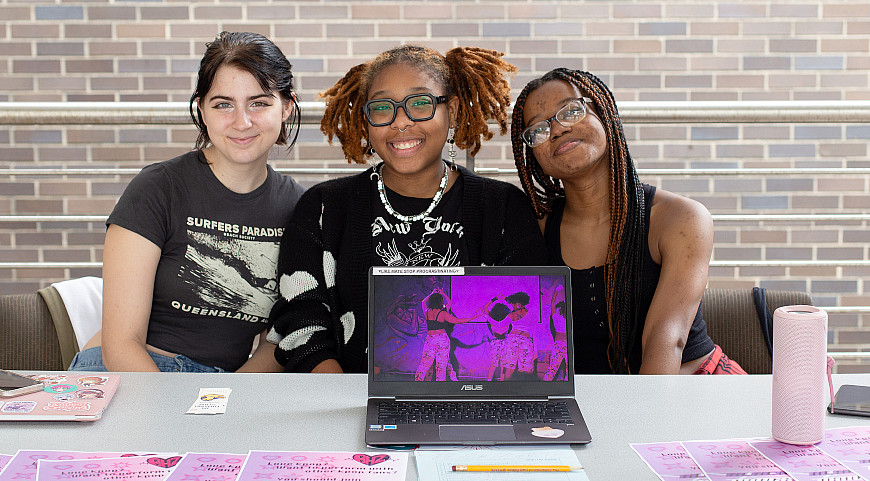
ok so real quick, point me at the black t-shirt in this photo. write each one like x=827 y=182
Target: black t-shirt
x=437 y=240
x=215 y=281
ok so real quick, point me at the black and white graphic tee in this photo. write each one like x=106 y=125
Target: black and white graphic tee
x=215 y=281
x=434 y=241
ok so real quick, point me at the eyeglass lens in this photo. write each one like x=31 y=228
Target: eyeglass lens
x=570 y=114
x=416 y=107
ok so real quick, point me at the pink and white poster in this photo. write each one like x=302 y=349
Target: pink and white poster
x=347 y=466
x=850 y=446
x=4 y=459
x=131 y=468
x=208 y=467
x=670 y=461
x=22 y=466
x=805 y=463
x=733 y=459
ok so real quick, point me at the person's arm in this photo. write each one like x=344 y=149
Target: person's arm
x=302 y=323
x=263 y=359
x=681 y=231
x=129 y=268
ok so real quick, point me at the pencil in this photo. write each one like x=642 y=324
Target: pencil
x=515 y=468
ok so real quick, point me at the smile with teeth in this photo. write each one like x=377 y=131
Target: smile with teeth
x=406 y=144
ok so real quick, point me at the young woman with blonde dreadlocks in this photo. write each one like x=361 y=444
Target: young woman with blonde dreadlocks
x=638 y=256
x=410 y=209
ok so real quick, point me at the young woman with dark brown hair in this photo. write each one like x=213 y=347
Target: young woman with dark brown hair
x=639 y=255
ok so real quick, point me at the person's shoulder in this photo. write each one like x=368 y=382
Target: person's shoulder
x=671 y=205
x=340 y=185
x=333 y=191
x=674 y=213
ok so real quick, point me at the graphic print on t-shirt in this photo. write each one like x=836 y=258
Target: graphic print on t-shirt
x=230 y=270
x=430 y=242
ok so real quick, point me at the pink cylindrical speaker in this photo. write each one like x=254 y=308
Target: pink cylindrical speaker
x=800 y=341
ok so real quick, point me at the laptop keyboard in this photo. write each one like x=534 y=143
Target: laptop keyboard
x=473 y=412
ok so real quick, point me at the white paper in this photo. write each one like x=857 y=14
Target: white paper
x=211 y=400
x=436 y=464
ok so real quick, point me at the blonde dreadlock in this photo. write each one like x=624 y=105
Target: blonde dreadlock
x=624 y=262
x=476 y=76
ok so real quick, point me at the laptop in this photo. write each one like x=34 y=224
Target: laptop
x=484 y=369
x=68 y=396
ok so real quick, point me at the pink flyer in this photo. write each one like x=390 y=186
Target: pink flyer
x=292 y=465
x=131 y=468
x=805 y=463
x=22 y=466
x=733 y=459
x=850 y=446
x=669 y=461
x=208 y=467
x=4 y=459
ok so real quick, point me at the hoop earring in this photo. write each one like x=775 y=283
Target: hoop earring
x=451 y=148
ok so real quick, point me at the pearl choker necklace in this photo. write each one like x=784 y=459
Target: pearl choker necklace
x=410 y=218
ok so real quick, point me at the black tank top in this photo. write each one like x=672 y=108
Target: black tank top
x=591 y=335
x=435 y=324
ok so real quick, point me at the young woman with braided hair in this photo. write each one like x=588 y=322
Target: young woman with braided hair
x=639 y=256
x=411 y=209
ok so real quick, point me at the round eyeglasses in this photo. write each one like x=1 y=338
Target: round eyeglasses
x=571 y=113
x=418 y=107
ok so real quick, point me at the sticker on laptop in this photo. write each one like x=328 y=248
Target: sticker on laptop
x=90 y=381
x=67 y=406
x=21 y=407
x=49 y=378
x=547 y=432
x=60 y=388
x=381 y=427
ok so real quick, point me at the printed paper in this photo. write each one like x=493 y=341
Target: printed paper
x=350 y=466
x=805 y=463
x=133 y=468
x=733 y=459
x=208 y=467
x=670 y=461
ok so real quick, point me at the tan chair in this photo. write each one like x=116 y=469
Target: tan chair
x=734 y=323
x=36 y=332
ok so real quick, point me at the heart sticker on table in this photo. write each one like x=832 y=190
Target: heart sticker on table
x=164 y=462
x=370 y=460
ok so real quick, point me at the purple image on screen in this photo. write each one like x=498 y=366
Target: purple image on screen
x=450 y=328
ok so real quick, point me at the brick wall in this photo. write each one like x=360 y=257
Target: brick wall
x=108 y=50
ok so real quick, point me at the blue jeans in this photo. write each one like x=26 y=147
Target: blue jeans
x=92 y=360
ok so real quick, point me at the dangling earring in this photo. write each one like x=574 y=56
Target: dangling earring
x=451 y=148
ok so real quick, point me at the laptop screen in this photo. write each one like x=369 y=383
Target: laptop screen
x=470 y=330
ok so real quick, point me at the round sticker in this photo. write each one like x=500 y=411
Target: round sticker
x=547 y=432
x=60 y=388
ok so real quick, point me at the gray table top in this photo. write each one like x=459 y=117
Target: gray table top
x=325 y=412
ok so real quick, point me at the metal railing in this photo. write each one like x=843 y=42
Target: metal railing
x=126 y=113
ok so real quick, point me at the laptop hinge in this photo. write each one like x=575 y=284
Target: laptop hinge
x=472 y=399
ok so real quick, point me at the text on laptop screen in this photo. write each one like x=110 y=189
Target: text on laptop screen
x=469 y=328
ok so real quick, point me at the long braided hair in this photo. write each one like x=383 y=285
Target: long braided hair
x=475 y=75
x=627 y=243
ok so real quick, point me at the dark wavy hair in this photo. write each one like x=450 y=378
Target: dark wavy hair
x=518 y=298
x=256 y=55
x=627 y=242
x=435 y=301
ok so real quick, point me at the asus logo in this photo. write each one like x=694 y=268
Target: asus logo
x=471 y=387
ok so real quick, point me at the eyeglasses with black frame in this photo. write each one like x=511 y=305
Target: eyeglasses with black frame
x=418 y=107
x=539 y=132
